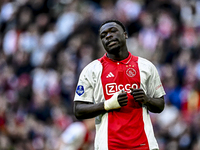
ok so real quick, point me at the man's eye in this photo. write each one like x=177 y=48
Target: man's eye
x=103 y=35
x=113 y=30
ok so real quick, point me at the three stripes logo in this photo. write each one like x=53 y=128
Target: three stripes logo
x=110 y=75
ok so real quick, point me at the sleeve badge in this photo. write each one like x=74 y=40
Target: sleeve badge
x=80 y=90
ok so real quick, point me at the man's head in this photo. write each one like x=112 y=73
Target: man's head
x=116 y=21
x=113 y=36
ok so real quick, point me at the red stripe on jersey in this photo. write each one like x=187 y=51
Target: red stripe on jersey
x=125 y=125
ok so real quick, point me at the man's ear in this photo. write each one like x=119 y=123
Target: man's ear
x=126 y=35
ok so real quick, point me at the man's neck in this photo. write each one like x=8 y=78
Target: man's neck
x=118 y=57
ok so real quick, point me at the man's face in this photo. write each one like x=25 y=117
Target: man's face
x=113 y=37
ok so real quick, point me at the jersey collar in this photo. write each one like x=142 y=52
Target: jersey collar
x=124 y=61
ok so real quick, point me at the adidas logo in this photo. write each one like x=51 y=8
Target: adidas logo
x=110 y=75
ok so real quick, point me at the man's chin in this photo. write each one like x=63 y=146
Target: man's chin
x=114 y=49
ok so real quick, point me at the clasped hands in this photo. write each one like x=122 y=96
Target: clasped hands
x=123 y=98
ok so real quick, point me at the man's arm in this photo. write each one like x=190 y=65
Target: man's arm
x=155 y=105
x=86 y=110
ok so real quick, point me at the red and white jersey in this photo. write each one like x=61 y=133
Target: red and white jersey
x=130 y=126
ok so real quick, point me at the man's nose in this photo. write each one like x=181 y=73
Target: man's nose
x=109 y=35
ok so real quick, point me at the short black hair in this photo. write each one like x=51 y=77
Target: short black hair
x=116 y=21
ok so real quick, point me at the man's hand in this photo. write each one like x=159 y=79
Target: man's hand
x=123 y=98
x=155 y=105
x=139 y=95
x=118 y=100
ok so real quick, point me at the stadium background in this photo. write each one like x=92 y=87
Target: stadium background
x=44 y=44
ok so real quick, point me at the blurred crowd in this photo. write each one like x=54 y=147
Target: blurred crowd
x=44 y=45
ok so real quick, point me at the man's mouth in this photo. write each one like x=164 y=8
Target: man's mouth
x=111 y=43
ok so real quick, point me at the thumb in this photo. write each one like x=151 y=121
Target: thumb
x=131 y=89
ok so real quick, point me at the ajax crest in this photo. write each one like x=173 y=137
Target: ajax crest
x=130 y=72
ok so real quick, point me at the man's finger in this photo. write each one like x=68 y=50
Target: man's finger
x=132 y=89
x=138 y=96
x=136 y=89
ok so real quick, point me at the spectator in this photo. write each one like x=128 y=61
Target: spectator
x=42 y=47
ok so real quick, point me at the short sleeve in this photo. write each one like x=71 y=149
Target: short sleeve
x=150 y=79
x=155 y=88
x=86 y=84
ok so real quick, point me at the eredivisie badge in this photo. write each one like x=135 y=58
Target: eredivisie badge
x=80 y=90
